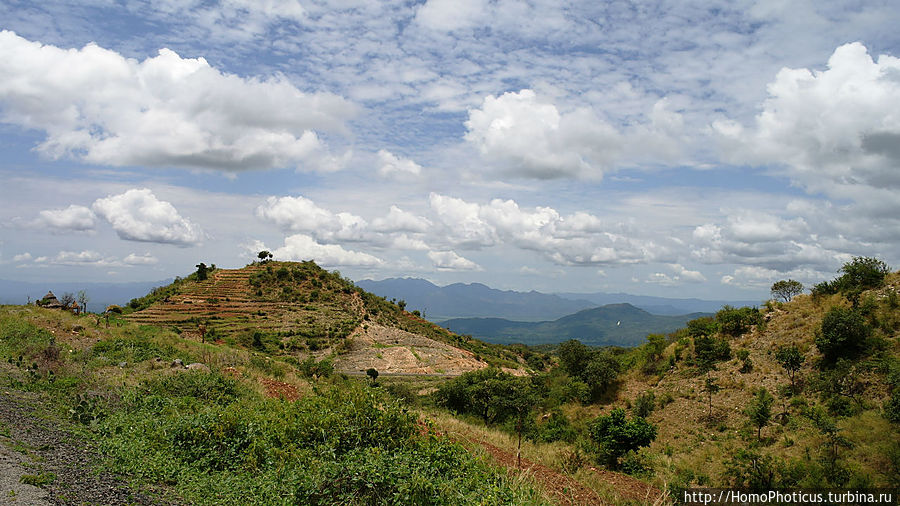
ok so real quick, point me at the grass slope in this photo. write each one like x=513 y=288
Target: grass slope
x=219 y=435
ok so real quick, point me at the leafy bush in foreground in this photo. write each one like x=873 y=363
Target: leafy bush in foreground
x=345 y=445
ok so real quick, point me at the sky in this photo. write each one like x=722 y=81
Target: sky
x=691 y=148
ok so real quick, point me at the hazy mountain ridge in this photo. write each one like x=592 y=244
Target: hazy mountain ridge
x=476 y=300
x=613 y=324
x=473 y=300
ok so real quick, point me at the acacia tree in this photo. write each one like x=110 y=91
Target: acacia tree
x=786 y=289
x=264 y=255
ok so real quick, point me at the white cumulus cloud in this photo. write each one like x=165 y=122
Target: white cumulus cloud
x=531 y=137
x=137 y=215
x=145 y=259
x=303 y=247
x=95 y=105
x=392 y=166
x=835 y=130
x=450 y=261
x=74 y=217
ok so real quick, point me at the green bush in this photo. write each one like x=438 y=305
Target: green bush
x=617 y=435
x=843 y=333
x=736 y=321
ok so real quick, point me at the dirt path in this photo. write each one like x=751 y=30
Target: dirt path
x=564 y=489
x=62 y=464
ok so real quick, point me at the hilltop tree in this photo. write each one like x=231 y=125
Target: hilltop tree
x=791 y=359
x=786 y=289
x=264 y=255
x=202 y=271
x=760 y=410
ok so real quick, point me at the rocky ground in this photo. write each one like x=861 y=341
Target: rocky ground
x=35 y=448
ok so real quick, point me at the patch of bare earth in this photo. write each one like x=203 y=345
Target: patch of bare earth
x=280 y=390
x=391 y=350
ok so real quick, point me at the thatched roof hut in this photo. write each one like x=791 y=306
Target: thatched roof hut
x=50 y=301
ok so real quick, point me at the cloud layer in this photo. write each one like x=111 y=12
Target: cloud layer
x=95 y=105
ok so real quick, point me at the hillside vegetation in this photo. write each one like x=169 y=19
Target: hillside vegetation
x=298 y=311
x=798 y=394
x=234 y=426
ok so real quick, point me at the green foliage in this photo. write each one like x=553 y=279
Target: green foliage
x=863 y=273
x=843 y=333
x=736 y=321
x=343 y=445
x=644 y=404
x=858 y=275
x=38 y=480
x=202 y=271
x=703 y=326
x=759 y=411
x=573 y=357
x=790 y=359
x=601 y=372
x=617 y=435
x=489 y=393
x=786 y=289
x=708 y=350
x=756 y=472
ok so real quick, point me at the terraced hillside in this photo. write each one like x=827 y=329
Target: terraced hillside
x=302 y=310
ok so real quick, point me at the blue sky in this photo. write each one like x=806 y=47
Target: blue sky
x=691 y=148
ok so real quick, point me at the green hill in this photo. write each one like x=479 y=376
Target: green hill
x=610 y=325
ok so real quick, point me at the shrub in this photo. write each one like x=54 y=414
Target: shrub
x=644 y=404
x=703 y=326
x=617 y=435
x=843 y=332
x=736 y=321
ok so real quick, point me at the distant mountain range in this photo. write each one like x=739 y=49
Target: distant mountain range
x=610 y=325
x=479 y=301
x=473 y=300
x=101 y=294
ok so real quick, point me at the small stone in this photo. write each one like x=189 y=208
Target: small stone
x=123 y=364
x=197 y=366
x=177 y=363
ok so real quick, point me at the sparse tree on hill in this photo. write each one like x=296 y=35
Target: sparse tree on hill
x=760 y=410
x=264 y=255
x=791 y=359
x=786 y=289
x=711 y=388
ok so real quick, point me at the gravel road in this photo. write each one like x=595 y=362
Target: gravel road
x=37 y=445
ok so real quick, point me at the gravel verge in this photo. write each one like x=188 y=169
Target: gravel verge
x=32 y=443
